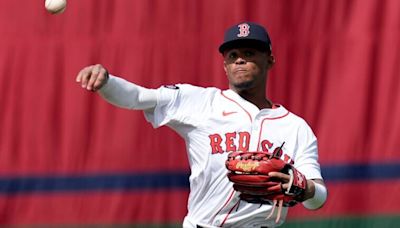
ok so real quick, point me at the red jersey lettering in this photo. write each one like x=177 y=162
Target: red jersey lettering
x=244 y=141
x=215 y=142
x=266 y=145
x=229 y=142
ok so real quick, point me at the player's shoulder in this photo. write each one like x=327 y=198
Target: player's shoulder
x=190 y=89
x=296 y=118
x=187 y=86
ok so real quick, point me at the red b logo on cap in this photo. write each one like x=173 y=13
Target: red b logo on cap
x=244 y=30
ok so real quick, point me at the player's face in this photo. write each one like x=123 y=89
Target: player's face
x=246 y=67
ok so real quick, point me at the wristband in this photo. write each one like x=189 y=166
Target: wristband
x=318 y=199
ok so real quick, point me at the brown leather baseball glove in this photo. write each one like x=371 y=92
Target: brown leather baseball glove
x=249 y=174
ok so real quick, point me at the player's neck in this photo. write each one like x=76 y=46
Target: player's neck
x=256 y=96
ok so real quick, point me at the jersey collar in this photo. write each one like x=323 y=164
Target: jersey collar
x=275 y=112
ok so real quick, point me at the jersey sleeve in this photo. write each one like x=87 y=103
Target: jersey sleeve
x=125 y=94
x=306 y=160
x=181 y=103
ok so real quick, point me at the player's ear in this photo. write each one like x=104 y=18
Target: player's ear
x=225 y=68
x=271 y=61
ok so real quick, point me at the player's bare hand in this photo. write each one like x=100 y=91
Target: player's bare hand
x=284 y=178
x=92 y=77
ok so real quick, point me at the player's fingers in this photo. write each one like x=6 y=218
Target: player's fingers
x=101 y=79
x=79 y=75
x=93 y=77
x=285 y=186
x=283 y=177
x=276 y=188
x=84 y=76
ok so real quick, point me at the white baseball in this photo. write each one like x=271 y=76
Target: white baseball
x=55 y=6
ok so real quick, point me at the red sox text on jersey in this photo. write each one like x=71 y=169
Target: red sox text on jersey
x=237 y=141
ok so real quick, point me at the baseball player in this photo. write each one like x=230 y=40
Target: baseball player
x=215 y=122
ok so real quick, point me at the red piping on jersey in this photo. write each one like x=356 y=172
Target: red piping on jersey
x=261 y=127
x=226 y=203
x=222 y=93
x=226 y=217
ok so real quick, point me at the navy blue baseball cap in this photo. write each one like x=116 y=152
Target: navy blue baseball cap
x=246 y=34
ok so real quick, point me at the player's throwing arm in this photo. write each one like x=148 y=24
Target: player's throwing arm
x=118 y=91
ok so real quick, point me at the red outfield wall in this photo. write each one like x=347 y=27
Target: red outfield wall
x=68 y=157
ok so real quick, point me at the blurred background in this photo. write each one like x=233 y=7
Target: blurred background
x=69 y=159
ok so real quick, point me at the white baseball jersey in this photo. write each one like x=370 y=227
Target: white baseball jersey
x=214 y=122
